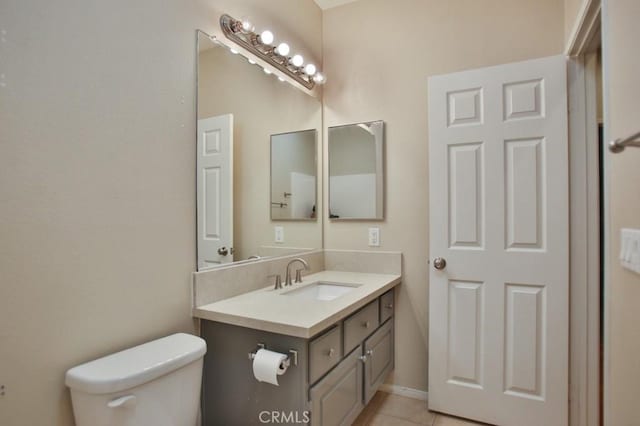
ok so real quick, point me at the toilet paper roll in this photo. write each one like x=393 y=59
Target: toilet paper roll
x=268 y=365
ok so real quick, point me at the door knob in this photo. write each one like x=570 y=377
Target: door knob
x=223 y=251
x=439 y=263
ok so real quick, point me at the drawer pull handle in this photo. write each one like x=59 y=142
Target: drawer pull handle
x=330 y=352
x=363 y=358
x=389 y=306
x=366 y=324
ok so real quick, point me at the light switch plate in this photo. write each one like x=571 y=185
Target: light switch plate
x=630 y=249
x=279 y=234
x=374 y=237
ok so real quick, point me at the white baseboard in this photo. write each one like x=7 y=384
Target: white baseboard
x=403 y=391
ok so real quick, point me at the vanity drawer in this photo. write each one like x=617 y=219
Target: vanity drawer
x=324 y=353
x=386 y=306
x=360 y=325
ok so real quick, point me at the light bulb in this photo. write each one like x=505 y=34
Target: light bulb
x=319 y=78
x=310 y=69
x=251 y=61
x=281 y=79
x=247 y=26
x=297 y=60
x=282 y=49
x=234 y=51
x=266 y=71
x=266 y=37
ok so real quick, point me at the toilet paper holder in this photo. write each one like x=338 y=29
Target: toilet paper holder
x=293 y=355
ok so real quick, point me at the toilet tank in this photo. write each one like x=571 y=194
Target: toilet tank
x=155 y=384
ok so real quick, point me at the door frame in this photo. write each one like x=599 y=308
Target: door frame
x=585 y=363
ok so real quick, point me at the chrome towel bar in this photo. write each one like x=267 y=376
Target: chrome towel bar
x=620 y=144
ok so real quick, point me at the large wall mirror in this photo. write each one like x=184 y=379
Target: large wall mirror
x=294 y=175
x=356 y=171
x=248 y=123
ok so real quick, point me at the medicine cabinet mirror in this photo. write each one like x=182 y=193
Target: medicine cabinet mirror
x=356 y=171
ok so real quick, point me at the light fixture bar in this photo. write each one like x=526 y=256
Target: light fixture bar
x=277 y=56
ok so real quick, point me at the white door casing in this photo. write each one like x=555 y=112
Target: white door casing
x=498 y=193
x=215 y=190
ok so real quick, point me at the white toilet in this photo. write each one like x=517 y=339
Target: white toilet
x=154 y=384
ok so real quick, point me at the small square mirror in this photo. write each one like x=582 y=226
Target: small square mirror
x=356 y=171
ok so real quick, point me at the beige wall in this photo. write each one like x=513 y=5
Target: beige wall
x=378 y=55
x=261 y=106
x=622 y=297
x=97 y=160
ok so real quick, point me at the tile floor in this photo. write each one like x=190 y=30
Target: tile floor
x=386 y=409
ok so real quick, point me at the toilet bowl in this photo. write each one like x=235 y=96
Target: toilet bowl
x=154 y=384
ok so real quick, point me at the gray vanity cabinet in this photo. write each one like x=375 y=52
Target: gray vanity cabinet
x=337 y=399
x=378 y=356
x=332 y=377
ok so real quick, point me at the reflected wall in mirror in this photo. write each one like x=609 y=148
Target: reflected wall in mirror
x=239 y=107
x=294 y=175
x=356 y=171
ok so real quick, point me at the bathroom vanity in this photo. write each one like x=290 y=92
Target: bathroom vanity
x=336 y=327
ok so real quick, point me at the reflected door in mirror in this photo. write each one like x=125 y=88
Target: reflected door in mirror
x=215 y=190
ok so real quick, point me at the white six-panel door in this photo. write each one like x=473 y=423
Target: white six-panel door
x=499 y=309
x=215 y=190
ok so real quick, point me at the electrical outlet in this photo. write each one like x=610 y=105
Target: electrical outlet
x=374 y=237
x=279 y=237
x=3 y=390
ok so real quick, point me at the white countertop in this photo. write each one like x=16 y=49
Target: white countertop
x=268 y=310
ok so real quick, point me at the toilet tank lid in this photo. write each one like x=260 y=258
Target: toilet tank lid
x=135 y=366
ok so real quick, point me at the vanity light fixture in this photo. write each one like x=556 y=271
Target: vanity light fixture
x=242 y=32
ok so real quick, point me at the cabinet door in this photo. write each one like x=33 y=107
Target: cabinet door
x=336 y=400
x=379 y=353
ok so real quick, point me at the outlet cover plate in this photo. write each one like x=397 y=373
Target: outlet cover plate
x=374 y=237
x=279 y=234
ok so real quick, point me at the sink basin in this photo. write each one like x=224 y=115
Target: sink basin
x=321 y=290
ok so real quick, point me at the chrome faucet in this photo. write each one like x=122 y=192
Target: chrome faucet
x=298 y=279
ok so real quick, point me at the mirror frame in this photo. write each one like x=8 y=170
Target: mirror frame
x=380 y=180
x=315 y=164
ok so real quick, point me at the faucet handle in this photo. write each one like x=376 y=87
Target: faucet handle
x=278 y=282
x=299 y=275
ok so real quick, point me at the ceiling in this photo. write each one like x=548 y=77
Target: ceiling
x=328 y=4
